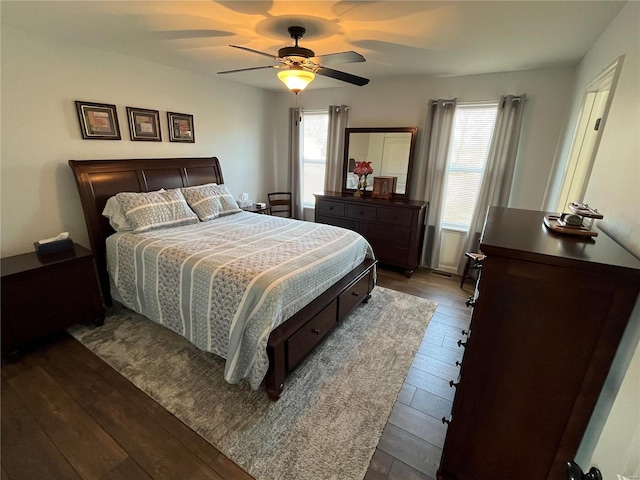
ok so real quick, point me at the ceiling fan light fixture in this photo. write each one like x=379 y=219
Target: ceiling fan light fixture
x=296 y=79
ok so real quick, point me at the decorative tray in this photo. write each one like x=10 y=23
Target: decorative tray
x=553 y=222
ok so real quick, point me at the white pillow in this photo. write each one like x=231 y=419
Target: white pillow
x=153 y=210
x=210 y=201
x=115 y=213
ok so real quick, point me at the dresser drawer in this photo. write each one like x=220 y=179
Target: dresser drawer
x=393 y=255
x=328 y=207
x=365 y=213
x=386 y=233
x=352 y=296
x=338 y=222
x=396 y=216
x=303 y=341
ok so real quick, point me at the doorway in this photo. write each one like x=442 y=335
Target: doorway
x=591 y=122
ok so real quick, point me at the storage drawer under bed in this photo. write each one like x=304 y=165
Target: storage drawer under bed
x=305 y=339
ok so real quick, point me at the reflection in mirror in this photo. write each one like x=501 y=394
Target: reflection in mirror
x=390 y=151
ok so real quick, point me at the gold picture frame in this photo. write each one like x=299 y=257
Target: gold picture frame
x=383 y=187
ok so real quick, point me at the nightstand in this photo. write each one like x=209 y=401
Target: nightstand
x=42 y=295
x=255 y=209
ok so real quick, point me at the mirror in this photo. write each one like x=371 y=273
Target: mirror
x=390 y=151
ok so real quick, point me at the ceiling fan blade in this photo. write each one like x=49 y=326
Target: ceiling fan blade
x=255 y=51
x=250 y=68
x=343 y=76
x=341 y=57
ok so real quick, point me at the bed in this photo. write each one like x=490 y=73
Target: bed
x=298 y=325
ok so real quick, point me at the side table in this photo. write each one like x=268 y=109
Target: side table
x=255 y=209
x=42 y=295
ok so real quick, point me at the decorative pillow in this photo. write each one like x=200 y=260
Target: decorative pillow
x=149 y=211
x=210 y=201
x=115 y=213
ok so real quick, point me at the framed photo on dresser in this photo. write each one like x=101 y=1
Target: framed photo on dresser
x=383 y=187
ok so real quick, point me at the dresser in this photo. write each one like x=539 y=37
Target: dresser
x=41 y=295
x=394 y=228
x=549 y=312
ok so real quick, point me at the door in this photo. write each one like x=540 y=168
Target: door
x=395 y=151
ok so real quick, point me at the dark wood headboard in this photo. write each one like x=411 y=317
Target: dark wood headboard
x=98 y=180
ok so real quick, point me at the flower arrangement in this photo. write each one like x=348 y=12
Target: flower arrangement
x=362 y=169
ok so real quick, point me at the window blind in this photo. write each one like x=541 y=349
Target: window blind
x=470 y=142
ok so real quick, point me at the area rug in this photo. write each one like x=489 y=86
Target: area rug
x=331 y=414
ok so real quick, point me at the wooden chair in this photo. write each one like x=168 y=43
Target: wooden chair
x=280 y=204
x=474 y=262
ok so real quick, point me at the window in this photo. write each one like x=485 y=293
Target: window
x=315 y=127
x=471 y=138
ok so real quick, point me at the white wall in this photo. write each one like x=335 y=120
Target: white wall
x=402 y=102
x=614 y=188
x=41 y=79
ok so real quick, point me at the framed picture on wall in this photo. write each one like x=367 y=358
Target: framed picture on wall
x=144 y=125
x=181 y=127
x=98 y=121
x=383 y=187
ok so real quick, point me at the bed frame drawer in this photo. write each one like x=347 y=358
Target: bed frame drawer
x=302 y=342
x=352 y=296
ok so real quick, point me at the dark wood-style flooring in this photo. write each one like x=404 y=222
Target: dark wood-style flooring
x=67 y=415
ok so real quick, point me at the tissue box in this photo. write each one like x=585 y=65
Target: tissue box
x=53 y=247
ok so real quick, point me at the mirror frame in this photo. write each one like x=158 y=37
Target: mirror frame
x=345 y=164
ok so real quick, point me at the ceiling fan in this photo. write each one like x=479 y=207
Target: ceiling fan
x=299 y=65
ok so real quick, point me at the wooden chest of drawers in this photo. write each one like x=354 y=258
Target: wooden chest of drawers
x=548 y=319
x=394 y=228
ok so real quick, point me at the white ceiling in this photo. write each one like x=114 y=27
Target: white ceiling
x=447 y=38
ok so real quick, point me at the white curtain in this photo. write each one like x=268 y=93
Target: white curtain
x=338 y=121
x=430 y=170
x=295 y=161
x=498 y=173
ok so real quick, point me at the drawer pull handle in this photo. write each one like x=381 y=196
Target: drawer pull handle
x=465 y=332
x=446 y=421
x=355 y=294
x=453 y=384
x=330 y=208
x=315 y=331
x=462 y=344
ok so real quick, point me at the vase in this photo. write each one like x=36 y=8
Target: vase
x=364 y=185
x=358 y=193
